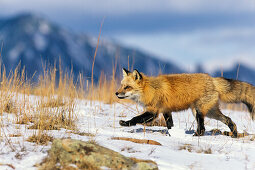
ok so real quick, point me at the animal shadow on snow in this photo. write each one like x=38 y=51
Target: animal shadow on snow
x=142 y=130
x=212 y=132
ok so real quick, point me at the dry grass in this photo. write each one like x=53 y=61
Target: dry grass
x=9 y=165
x=104 y=90
x=56 y=104
x=15 y=135
x=190 y=148
x=42 y=139
x=24 y=118
x=187 y=147
x=10 y=107
x=9 y=88
x=84 y=134
x=128 y=149
x=47 y=105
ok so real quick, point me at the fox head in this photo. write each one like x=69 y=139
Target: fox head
x=131 y=85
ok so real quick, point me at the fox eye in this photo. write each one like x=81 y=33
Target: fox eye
x=127 y=87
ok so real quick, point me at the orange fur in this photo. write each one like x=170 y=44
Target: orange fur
x=176 y=92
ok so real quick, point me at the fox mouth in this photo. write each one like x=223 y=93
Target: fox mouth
x=121 y=97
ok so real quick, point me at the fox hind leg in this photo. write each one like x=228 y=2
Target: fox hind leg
x=202 y=107
x=215 y=113
x=200 y=124
x=169 y=119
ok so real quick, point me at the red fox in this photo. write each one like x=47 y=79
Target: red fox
x=175 y=92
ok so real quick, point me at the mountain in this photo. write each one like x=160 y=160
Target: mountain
x=244 y=73
x=33 y=41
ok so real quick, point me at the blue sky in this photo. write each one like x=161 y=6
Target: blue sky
x=212 y=33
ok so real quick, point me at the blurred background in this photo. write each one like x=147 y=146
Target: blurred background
x=168 y=36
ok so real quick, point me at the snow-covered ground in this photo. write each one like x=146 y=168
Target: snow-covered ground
x=179 y=151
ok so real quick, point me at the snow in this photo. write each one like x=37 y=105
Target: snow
x=16 y=51
x=110 y=46
x=40 y=41
x=74 y=47
x=44 y=27
x=102 y=121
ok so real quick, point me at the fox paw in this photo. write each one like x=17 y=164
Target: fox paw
x=234 y=135
x=125 y=123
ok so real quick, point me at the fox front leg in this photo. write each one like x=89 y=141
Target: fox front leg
x=169 y=120
x=143 y=118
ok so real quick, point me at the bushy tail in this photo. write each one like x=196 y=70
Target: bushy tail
x=234 y=91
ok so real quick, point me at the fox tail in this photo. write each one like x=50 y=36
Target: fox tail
x=234 y=91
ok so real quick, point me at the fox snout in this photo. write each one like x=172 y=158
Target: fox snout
x=119 y=95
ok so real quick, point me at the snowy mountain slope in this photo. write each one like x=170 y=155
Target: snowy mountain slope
x=180 y=151
x=33 y=41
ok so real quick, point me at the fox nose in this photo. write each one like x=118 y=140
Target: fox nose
x=117 y=93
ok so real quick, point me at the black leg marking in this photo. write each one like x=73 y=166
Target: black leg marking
x=200 y=124
x=169 y=120
x=143 y=118
x=232 y=127
x=249 y=106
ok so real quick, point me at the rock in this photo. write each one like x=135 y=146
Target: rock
x=76 y=154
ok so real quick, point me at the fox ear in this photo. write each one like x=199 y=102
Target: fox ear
x=137 y=75
x=125 y=72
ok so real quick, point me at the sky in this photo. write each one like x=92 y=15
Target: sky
x=213 y=34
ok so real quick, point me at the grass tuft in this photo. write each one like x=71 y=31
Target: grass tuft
x=41 y=139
